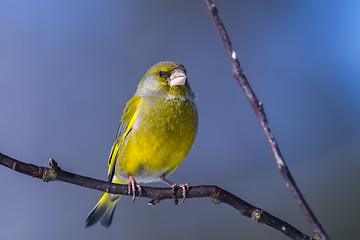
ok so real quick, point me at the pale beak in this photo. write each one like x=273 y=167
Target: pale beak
x=178 y=77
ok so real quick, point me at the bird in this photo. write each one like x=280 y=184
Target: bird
x=157 y=130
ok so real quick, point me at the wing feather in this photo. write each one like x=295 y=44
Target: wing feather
x=127 y=121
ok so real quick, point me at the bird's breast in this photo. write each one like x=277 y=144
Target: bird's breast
x=161 y=137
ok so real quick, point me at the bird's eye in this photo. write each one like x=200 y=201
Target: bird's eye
x=161 y=73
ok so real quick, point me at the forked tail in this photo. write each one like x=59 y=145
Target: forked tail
x=103 y=211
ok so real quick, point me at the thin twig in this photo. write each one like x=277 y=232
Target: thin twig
x=260 y=113
x=55 y=173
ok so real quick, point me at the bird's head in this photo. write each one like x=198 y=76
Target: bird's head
x=165 y=79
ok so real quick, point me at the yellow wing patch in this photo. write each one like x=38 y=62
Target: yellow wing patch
x=129 y=127
x=127 y=121
x=112 y=162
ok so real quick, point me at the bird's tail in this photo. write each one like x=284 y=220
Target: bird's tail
x=103 y=211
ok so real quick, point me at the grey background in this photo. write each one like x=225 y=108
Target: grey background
x=67 y=69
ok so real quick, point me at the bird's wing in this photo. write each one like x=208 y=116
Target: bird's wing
x=127 y=121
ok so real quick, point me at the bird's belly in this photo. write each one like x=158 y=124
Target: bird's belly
x=148 y=159
x=157 y=144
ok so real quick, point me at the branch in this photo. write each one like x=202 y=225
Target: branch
x=155 y=194
x=260 y=114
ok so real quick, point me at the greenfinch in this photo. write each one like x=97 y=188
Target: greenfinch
x=157 y=130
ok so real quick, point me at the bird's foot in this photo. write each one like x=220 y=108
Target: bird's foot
x=132 y=185
x=184 y=187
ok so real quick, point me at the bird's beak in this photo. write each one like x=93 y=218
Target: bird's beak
x=178 y=77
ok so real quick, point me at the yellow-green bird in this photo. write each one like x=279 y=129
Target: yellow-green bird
x=157 y=130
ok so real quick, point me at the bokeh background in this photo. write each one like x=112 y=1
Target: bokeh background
x=67 y=69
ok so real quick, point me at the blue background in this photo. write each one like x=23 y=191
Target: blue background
x=67 y=69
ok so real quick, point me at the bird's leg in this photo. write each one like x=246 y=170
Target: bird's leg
x=131 y=187
x=184 y=187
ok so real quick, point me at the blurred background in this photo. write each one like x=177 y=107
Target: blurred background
x=67 y=69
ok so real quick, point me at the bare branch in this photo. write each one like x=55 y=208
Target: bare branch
x=155 y=194
x=260 y=114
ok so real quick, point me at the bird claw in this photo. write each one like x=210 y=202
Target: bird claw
x=132 y=185
x=184 y=187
